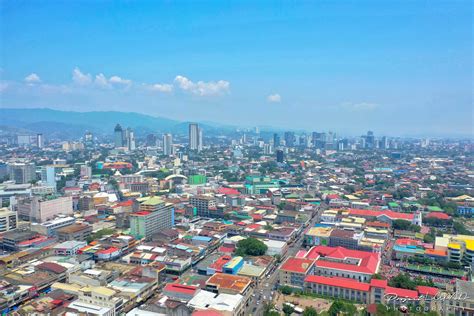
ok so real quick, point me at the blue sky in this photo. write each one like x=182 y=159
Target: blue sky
x=395 y=67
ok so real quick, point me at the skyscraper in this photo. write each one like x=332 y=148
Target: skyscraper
x=290 y=139
x=130 y=139
x=276 y=140
x=280 y=156
x=39 y=140
x=200 y=143
x=168 y=144
x=118 y=136
x=193 y=136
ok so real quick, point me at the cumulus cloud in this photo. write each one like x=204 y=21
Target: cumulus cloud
x=161 y=87
x=32 y=78
x=120 y=81
x=274 y=98
x=202 y=88
x=3 y=86
x=81 y=78
x=360 y=106
x=101 y=81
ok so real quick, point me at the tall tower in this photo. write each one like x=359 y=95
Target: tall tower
x=130 y=139
x=200 y=140
x=39 y=140
x=417 y=219
x=118 y=136
x=168 y=144
x=193 y=136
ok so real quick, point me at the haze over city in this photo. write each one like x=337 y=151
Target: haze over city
x=400 y=68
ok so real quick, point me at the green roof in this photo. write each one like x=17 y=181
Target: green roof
x=153 y=201
x=434 y=209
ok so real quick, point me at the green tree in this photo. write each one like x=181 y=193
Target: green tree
x=285 y=289
x=268 y=310
x=288 y=309
x=251 y=247
x=310 y=311
x=336 y=308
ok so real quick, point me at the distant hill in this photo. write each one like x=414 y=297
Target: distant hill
x=71 y=124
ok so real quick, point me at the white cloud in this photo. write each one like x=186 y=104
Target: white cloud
x=101 y=81
x=118 y=80
x=80 y=78
x=32 y=78
x=202 y=88
x=161 y=87
x=274 y=98
x=361 y=106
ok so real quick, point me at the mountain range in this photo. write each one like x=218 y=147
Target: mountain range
x=69 y=124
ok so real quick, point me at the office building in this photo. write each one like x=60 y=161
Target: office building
x=118 y=136
x=154 y=216
x=130 y=139
x=276 y=140
x=8 y=220
x=39 y=141
x=203 y=204
x=48 y=175
x=193 y=136
x=168 y=144
x=280 y=156
x=290 y=139
x=22 y=173
x=37 y=209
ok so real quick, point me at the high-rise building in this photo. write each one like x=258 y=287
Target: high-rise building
x=290 y=139
x=276 y=140
x=39 y=141
x=370 y=140
x=154 y=216
x=204 y=204
x=48 y=175
x=168 y=144
x=8 y=220
x=193 y=136
x=280 y=156
x=118 y=136
x=130 y=139
x=22 y=173
x=200 y=142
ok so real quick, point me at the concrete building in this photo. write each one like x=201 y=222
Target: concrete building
x=8 y=220
x=38 y=209
x=203 y=204
x=49 y=228
x=154 y=216
x=22 y=173
x=78 y=232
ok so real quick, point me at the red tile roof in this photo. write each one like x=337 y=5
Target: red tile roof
x=51 y=267
x=298 y=265
x=401 y=292
x=339 y=282
x=180 y=288
x=427 y=290
x=438 y=215
x=141 y=213
x=368 y=261
x=228 y=191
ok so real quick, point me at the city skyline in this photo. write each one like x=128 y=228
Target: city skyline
x=344 y=66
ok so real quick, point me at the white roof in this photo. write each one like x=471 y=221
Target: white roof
x=221 y=302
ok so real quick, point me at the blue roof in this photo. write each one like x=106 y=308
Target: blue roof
x=202 y=238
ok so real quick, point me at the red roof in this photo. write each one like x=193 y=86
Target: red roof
x=207 y=312
x=427 y=290
x=180 y=288
x=438 y=215
x=228 y=191
x=220 y=262
x=333 y=196
x=52 y=267
x=401 y=292
x=107 y=251
x=141 y=213
x=378 y=283
x=371 y=213
x=125 y=203
x=298 y=265
x=339 y=282
x=368 y=261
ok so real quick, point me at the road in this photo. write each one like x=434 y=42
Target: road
x=265 y=291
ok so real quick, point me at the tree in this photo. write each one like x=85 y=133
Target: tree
x=310 y=311
x=268 y=310
x=405 y=225
x=339 y=307
x=251 y=247
x=288 y=309
x=285 y=289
